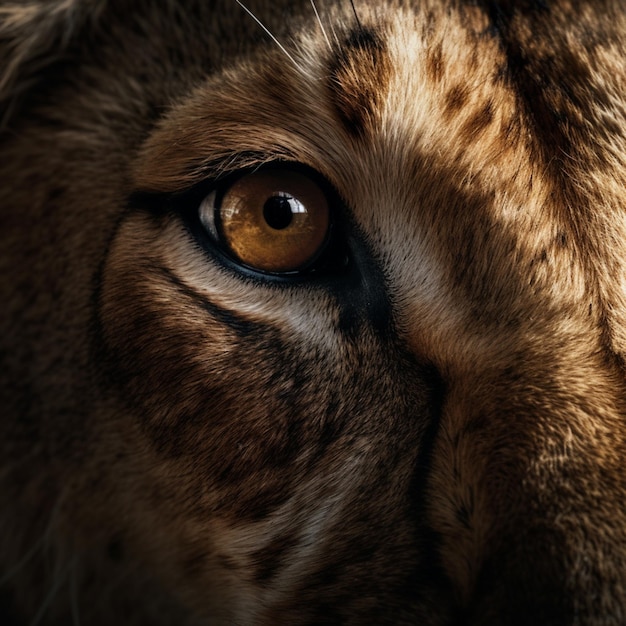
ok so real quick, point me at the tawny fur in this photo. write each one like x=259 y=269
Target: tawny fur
x=433 y=434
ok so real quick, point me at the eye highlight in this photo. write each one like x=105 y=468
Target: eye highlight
x=271 y=220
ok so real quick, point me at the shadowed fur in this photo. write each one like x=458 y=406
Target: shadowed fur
x=424 y=424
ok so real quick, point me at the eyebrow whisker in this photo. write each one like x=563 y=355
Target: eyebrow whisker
x=319 y=21
x=258 y=21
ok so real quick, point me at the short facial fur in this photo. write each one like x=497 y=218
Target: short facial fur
x=433 y=435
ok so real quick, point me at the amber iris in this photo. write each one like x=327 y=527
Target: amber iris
x=273 y=220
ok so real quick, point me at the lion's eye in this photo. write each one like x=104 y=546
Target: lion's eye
x=271 y=220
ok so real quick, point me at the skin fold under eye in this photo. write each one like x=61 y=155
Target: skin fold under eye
x=272 y=220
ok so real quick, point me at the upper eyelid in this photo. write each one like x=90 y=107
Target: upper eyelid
x=222 y=170
x=187 y=200
x=228 y=176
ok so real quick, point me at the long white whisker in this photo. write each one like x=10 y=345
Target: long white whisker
x=256 y=19
x=334 y=32
x=319 y=21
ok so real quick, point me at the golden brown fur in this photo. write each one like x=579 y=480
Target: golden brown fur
x=433 y=433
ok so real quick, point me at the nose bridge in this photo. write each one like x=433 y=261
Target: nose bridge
x=527 y=457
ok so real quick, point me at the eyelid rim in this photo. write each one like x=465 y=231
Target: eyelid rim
x=334 y=259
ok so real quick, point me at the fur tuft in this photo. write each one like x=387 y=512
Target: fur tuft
x=34 y=36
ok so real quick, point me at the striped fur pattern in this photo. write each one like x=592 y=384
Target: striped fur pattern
x=431 y=432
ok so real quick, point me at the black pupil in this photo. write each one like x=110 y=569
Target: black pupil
x=278 y=211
